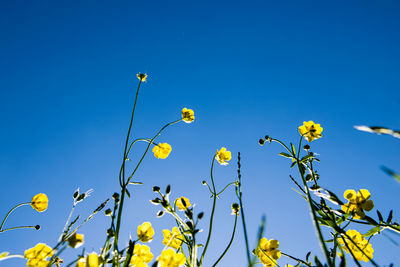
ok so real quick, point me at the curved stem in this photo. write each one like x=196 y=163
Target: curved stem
x=9 y=212
x=125 y=184
x=229 y=244
x=212 y=212
x=17 y=227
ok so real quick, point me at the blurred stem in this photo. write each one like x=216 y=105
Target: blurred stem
x=8 y=213
x=229 y=244
x=212 y=212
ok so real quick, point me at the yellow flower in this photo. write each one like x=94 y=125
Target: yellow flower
x=358 y=202
x=172 y=238
x=235 y=209
x=267 y=252
x=142 y=77
x=81 y=263
x=357 y=244
x=223 y=156
x=145 y=232
x=162 y=150
x=169 y=258
x=182 y=203
x=141 y=256
x=187 y=115
x=75 y=240
x=310 y=130
x=93 y=260
x=37 y=256
x=40 y=202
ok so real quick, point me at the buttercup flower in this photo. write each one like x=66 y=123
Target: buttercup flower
x=357 y=245
x=223 y=156
x=142 y=77
x=145 y=232
x=40 y=202
x=235 y=209
x=310 y=130
x=162 y=150
x=81 y=263
x=75 y=240
x=141 y=256
x=172 y=239
x=93 y=260
x=187 y=115
x=358 y=202
x=37 y=256
x=169 y=258
x=267 y=252
x=182 y=203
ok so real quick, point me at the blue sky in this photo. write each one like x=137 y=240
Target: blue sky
x=68 y=78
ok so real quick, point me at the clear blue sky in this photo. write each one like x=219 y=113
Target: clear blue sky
x=67 y=81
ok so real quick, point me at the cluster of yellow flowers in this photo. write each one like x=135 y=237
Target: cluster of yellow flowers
x=267 y=251
x=358 y=202
x=37 y=256
x=356 y=243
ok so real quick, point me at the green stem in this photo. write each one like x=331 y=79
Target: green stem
x=17 y=227
x=8 y=213
x=212 y=212
x=125 y=184
x=229 y=244
x=296 y=259
x=313 y=213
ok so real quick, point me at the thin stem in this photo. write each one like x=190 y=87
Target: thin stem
x=121 y=181
x=11 y=210
x=229 y=244
x=212 y=212
x=17 y=227
x=296 y=259
x=66 y=223
x=125 y=184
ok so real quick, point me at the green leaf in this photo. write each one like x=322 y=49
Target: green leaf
x=379 y=216
x=373 y=231
x=4 y=254
x=370 y=220
x=392 y=173
x=136 y=183
x=283 y=154
x=293 y=149
x=389 y=219
x=305 y=158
